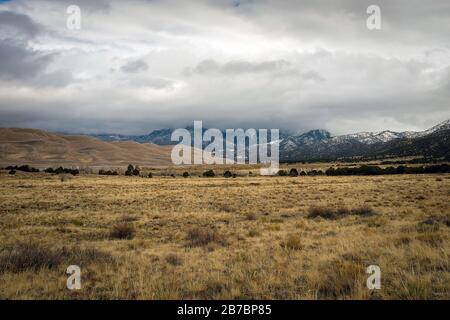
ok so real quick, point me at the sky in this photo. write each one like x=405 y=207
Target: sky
x=139 y=65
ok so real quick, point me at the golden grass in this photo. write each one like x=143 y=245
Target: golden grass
x=217 y=238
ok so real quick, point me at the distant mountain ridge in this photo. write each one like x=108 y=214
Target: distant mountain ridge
x=320 y=144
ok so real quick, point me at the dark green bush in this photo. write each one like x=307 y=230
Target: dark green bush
x=122 y=231
x=227 y=174
x=209 y=173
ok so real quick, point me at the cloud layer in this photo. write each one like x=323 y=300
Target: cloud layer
x=140 y=65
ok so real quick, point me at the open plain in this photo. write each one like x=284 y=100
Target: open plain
x=306 y=237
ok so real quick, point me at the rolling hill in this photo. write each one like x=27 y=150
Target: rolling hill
x=41 y=149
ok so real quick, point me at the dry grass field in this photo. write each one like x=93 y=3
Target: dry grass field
x=215 y=238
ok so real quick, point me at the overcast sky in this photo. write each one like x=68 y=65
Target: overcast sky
x=139 y=65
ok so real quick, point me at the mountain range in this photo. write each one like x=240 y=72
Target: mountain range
x=41 y=149
x=320 y=144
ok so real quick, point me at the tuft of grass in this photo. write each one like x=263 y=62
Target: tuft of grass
x=253 y=233
x=428 y=225
x=122 y=231
x=202 y=236
x=341 y=279
x=128 y=218
x=431 y=238
x=273 y=227
x=64 y=177
x=364 y=211
x=293 y=242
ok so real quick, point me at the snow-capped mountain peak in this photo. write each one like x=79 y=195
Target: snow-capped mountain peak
x=441 y=126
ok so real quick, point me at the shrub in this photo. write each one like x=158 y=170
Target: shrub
x=375 y=170
x=303 y=173
x=174 y=259
x=24 y=168
x=293 y=172
x=227 y=174
x=332 y=214
x=62 y=170
x=282 y=173
x=150 y=175
x=202 y=236
x=322 y=212
x=108 y=173
x=363 y=211
x=130 y=170
x=209 y=173
x=186 y=174
x=24 y=256
x=12 y=172
x=122 y=231
x=250 y=216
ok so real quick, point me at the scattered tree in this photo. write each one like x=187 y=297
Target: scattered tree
x=209 y=173
x=227 y=174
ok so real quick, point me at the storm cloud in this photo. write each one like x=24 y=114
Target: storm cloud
x=140 y=65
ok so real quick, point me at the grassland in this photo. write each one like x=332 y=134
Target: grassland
x=215 y=238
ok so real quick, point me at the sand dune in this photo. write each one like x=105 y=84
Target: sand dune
x=41 y=149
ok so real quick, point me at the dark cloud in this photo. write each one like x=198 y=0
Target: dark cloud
x=18 y=62
x=135 y=66
x=18 y=25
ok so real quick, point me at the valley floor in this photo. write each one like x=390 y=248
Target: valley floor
x=217 y=238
